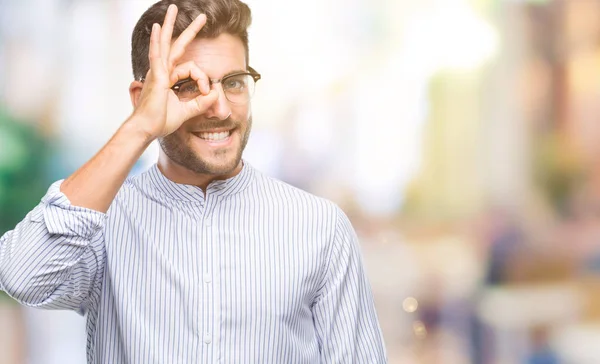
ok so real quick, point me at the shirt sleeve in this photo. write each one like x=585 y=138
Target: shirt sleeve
x=54 y=257
x=344 y=310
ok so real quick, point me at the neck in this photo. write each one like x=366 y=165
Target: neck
x=182 y=175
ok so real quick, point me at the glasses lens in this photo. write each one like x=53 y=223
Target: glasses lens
x=187 y=91
x=239 y=89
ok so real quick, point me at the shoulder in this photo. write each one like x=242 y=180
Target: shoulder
x=280 y=189
x=277 y=192
x=139 y=188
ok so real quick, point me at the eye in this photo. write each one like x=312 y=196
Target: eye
x=235 y=83
x=188 y=87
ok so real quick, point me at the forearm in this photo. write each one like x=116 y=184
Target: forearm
x=53 y=255
x=97 y=182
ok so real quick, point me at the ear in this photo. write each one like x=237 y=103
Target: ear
x=135 y=89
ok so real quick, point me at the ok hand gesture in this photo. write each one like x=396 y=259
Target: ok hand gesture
x=159 y=110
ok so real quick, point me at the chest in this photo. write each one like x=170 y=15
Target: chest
x=237 y=262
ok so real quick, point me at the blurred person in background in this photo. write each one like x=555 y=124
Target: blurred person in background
x=542 y=352
x=201 y=258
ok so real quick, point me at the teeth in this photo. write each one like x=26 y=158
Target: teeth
x=214 y=136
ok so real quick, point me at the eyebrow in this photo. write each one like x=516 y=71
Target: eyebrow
x=233 y=73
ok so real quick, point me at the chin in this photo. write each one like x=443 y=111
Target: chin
x=222 y=169
x=215 y=166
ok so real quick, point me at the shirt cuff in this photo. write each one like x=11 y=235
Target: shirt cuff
x=62 y=218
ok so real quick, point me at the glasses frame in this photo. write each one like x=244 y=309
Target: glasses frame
x=251 y=72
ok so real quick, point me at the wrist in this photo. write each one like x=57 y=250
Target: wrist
x=135 y=125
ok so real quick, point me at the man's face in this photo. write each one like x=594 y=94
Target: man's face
x=198 y=144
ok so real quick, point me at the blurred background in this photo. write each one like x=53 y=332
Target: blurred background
x=462 y=137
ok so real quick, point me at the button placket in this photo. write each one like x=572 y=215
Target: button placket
x=207 y=264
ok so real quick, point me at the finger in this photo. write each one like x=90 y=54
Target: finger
x=154 y=51
x=189 y=34
x=167 y=32
x=201 y=104
x=191 y=70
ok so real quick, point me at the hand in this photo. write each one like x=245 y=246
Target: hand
x=159 y=112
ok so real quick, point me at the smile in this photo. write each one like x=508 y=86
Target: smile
x=215 y=137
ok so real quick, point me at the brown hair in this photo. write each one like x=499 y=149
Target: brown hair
x=222 y=16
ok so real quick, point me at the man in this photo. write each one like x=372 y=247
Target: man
x=200 y=259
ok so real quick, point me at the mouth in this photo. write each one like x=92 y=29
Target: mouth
x=215 y=138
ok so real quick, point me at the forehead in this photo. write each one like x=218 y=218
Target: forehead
x=216 y=56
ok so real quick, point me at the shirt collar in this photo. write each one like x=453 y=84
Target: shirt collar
x=184 y=192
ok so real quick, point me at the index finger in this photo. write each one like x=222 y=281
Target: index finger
x=189 y=34
x=167 y=31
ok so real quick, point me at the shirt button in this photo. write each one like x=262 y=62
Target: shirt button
x=191 y=188
x=207 y=278
x=207 y=222
x=207 y=339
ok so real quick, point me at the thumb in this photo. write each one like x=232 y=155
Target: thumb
x=200 y=104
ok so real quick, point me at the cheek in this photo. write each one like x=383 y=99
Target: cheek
x=243 y=118
x=240 y=112
x=183 y=133
x=180 y=137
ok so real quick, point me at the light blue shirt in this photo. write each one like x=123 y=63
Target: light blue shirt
x=255 y=271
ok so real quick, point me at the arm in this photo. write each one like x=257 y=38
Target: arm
x=96 y=183
x=158 y=112
x=54 y=258
x=344 y=311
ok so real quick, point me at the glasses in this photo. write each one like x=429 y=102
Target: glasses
x=238 y=87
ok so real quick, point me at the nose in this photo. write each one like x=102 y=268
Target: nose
x=221 y=109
